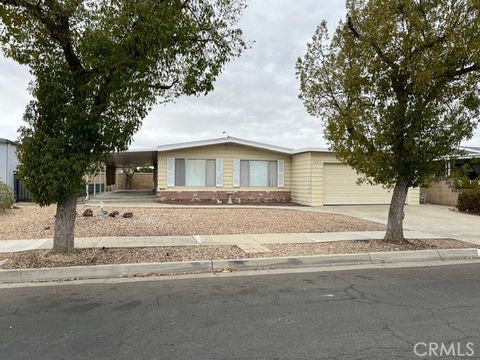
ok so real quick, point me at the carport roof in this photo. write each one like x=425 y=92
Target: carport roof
x=133 y=158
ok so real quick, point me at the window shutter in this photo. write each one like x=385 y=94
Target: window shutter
x=236 y=172
x=219 y=173
x=170 y=172
x=281 y=173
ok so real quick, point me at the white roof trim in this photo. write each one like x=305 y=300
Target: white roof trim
x=224 y=140
x=471 y=150
x=311 y=149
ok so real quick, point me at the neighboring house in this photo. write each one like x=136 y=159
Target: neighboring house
x=441 y=192
x=8 y=161
x=242 y=171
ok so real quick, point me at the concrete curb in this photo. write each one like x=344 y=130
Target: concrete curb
x=122 y=270
x=290 y=262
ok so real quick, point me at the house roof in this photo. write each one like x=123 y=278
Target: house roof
x=224 y=140
x=148 y=156
x=470 y=151
x=237 y=141
x=6 y=141
x=142 y=157
x=311 y=149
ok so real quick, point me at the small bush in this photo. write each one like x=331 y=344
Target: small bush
x=6 y=197
x=469 y=201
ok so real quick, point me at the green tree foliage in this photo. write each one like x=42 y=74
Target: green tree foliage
x=464 y=175
x=469 y=201
x=397 y=86
x=6 y=197
x=98 y=68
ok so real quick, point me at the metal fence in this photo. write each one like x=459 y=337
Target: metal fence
x=99 y=188
x=21 y=193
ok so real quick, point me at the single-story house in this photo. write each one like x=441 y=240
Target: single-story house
x=441 y=192
x=242 y=171
x=8 y=162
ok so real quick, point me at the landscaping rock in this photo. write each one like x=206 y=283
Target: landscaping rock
x=127 y=215
x=88 y=213
x=29 y=222
x=114 y=213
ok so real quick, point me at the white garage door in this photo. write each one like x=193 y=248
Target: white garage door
x=340 y=188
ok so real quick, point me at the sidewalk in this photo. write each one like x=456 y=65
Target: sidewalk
x=250 y=243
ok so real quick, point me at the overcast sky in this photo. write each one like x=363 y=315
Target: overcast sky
x=256 y=97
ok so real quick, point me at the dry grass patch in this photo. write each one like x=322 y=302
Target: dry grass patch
x=46 y=258
x=33 y=222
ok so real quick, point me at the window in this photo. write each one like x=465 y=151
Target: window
x=194 y=172
x=258 y=173
x=179 y=172
x=272 y=173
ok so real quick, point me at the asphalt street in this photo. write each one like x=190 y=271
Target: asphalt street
x=354 y=314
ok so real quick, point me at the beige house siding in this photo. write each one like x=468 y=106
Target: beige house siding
x=301 y=187
x=312 y=191
x=307 y=177
x=227 y=152
x=318 y=161
x=440 y=193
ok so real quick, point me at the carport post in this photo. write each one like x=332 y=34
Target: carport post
x=86 y=189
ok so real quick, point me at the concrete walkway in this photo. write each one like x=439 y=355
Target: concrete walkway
x=250 y=243
x=124 y=198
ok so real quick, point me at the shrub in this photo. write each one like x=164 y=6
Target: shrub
x=469 y=201
x=6 y=197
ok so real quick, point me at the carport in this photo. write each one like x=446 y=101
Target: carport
x=114 y=178
x=132 y=159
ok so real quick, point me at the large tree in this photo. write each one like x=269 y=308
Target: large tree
x=398 y=87
x=98 y=67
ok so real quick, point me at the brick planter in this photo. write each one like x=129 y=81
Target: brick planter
x=214 y=197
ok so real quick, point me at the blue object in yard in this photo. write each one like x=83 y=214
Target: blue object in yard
x=98 y=188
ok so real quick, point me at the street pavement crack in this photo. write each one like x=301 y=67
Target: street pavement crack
x=397 y=336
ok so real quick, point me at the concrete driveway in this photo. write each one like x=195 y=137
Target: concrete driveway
x=433 y=219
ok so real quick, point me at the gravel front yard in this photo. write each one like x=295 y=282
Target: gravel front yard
x=46 y=258
x=34 y=222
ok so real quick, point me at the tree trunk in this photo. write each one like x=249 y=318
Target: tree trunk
x=65 y=225
x=396 y=213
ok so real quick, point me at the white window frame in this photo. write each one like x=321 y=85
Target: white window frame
x=280 y=173
x=216 y=161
